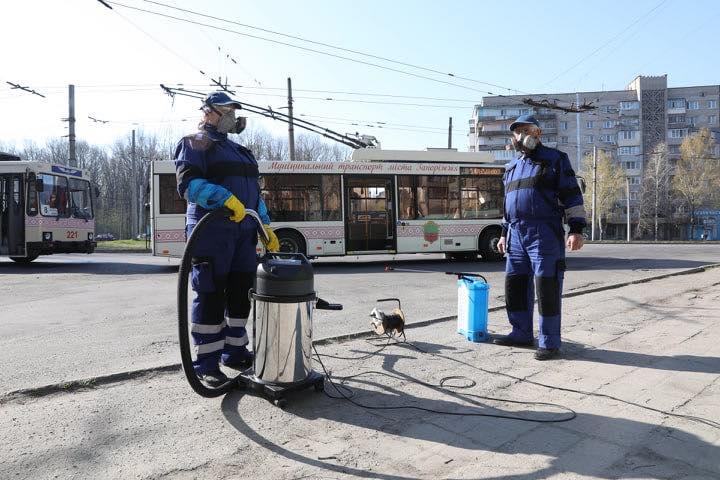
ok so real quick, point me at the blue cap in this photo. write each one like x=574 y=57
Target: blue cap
x=524 y=120
x=221 y=99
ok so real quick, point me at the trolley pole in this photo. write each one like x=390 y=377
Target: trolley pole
x=291 y=130
x=71 y=122
x=450 y=132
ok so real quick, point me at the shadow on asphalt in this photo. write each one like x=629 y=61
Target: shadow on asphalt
x=95 y=268
x=673 y=363
x=472 y=432
x=617 y=263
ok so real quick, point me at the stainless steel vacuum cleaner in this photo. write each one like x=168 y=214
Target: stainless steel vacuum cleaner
x=283 y=302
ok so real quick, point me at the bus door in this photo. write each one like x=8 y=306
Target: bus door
x=12 y=214
x=370 y=214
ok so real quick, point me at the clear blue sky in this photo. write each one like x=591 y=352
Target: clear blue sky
x=520 y=45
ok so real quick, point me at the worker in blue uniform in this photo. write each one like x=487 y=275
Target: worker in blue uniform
x=214 y=172
x=541 y=192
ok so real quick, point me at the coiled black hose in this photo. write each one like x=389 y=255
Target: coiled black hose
x=182 y=306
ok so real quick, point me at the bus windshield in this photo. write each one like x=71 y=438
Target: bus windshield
x=54 y=197
x=80 y=199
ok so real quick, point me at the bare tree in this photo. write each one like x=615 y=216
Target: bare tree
x=610 y=181
x=697 y=174
x=656 y=200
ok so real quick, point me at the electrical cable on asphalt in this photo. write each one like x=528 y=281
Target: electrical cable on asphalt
x=701 y=420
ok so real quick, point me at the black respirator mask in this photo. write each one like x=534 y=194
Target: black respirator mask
x=526 y=143
x=228 y=123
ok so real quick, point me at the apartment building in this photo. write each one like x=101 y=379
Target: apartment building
x=627 y=124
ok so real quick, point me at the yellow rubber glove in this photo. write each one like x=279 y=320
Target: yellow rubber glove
x=237 y=208
x=273 y=245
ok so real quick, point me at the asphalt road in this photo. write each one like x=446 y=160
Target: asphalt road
x=70 y=317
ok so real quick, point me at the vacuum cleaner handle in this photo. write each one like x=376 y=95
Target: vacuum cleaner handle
x=254 y=215
x=321 y=304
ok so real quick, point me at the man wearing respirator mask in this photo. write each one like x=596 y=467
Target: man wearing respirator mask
x=212 y=172
x=541 y=191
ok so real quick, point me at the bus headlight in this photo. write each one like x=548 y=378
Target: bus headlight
x=47 y=236
x=90 y=236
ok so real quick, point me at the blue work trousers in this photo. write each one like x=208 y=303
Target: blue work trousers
x=535 y=262
x=224 y=265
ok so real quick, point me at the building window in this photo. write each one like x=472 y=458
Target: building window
x=712 y=104
x=692 y=121
x=589 y=124
x=503 y=112
x=634 y=180
x=608 y=124
x=627 y=134
x=712 y=119
x=563 y=125
x=676 y=103
x=588 y=139
x=472 y=129
x=676 y=118
x=524 y=111
x=563 y=139
x=673 y=148
x=693 y=105
x=677 y=133
x=548 y=139
x=629 y=165
x=629 y=105
x=629 y=150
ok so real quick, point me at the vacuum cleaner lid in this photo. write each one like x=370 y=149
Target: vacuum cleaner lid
x=285 y=275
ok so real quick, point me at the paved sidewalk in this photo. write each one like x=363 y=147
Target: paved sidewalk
x=653 y=345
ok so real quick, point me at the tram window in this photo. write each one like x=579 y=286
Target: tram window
x=331 y=197
x=438 y=196
x=80 y=199
x=406 y=191
x=170 y=201
x=293 y=198
x=55 y=197
x=482 y=197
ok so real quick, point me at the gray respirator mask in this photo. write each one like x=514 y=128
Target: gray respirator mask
x=228 y=123
x=526 y=143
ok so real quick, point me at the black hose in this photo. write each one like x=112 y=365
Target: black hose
x=182 y=312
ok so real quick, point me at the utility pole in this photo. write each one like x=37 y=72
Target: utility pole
x=594 y=193
x=71 y=123
x=450 y=132
x=133 y=189
x=627 y=185
x=291 y=130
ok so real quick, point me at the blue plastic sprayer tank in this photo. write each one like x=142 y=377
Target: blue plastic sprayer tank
x=473 y=292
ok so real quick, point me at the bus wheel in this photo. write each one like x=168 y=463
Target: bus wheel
x=488 y=246
x=291 y=242
x=24 y=260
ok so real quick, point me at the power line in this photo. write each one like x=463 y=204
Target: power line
x=604 y=44
x=299 y=47
x=335 y=47
x=25 y=89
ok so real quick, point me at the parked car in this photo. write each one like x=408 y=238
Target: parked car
x=100 y=237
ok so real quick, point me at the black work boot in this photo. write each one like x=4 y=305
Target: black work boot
x=241 y=362
x=547 y=353
x=213 y=379
x=508 y=341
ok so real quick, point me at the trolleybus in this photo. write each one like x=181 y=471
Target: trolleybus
x=378 y=202
x=44 y=209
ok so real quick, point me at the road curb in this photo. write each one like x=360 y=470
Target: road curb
x=92 y=382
